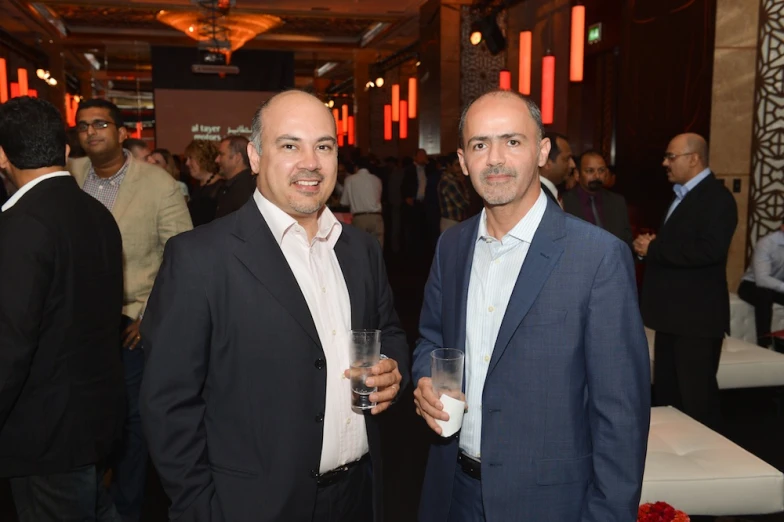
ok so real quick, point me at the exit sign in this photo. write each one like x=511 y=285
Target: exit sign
x=595 y=33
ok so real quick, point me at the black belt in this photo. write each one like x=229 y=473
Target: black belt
x=471 y=467
x=338 y=474
x=367 y=214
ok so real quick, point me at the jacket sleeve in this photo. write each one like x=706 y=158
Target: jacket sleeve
x=176 y=334
x=27 y=260
x=704 y=244
x=618 y=378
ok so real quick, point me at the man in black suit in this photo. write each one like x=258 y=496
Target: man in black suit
x=590 y=201
x=245 y=401
x=234 y=167
x=685 y=296
x=560 y=164
x=61 y=381
x=421 y=213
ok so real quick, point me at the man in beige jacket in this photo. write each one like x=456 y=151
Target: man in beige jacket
x=149 y=209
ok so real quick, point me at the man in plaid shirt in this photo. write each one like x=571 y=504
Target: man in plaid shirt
x=453 y=196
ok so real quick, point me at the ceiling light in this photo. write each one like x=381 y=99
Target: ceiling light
x=369 y=85
x=379 y=82
x=331 y=103
x=418 y=63
x=190 y=29
x=476 y=34
x=324 y=69
x=42 y=74
x=52 y=82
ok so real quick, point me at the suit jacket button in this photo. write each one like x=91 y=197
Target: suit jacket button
x=320 y=364
x=320 y=417
x=314 y=473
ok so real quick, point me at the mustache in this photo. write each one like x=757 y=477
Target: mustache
x=597 y=183
x=496 y=171
x=308 y=175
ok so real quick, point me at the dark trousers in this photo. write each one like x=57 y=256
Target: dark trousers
x=348 y=500
x=74 y=496
x=762 y=300
x=130 y=462
x=466 y=499
x=684 y=374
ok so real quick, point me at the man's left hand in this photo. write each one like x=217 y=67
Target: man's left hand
x=386 y=377
x=131 y=335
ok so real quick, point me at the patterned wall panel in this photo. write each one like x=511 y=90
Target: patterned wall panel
x=766 y=198
x=478 y=68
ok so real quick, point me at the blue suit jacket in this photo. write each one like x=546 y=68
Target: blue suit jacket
x=566 y=403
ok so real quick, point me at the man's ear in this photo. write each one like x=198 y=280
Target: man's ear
x=254 y=157
x=4 y=163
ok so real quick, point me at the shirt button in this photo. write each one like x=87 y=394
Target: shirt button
x=497 y=261
x=323 y=289
x=320 y=417
x=334 y=332
x=111 y=183
x=487 y=358
x=320 y=364
x=490 y=309
x=100 y=187
x=348 y=421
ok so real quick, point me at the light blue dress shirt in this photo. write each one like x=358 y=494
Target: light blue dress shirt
x=494 y=272
x=767 y=266
x=682 y=190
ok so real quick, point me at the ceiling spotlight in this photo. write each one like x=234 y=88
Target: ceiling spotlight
x=418 y=63
x=331 y=103
x=369 y=85
x=77 y=98
x=190 y=29
x=489 y=32
x=41 y=74
x=476 y=34
x=52 y=82
x=379 y=82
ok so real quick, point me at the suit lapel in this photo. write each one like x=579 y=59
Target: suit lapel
x=350 y=265
x=463 y=263
x=128 y=189
x=263 y=258
x=542 y=257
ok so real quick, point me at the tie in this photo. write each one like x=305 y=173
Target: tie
x=596 y=218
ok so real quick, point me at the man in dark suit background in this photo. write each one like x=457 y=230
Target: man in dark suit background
x=559 y=166
x=556 y=361
x=61 y=381
x=685 y=296
x=590 y=201
x=245 y=403
x=421 y=213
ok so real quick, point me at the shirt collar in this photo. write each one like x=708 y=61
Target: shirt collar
x=550 y=185
x=682 y=190
x=524 y=230
x=280 y=223
x=29 y=185
x=117 y=174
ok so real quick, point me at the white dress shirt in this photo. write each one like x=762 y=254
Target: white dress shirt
x=494 y=271
x=320 y=278
x=421 y=182
x=362 y=192
x=767 y=266
x=24 y=189
x=551 y=187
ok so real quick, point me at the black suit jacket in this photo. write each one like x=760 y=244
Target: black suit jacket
x=615 y=215
x=411 y=181
x=235 y=192
x=61 y=384
x=685 y=287
x=235 y=383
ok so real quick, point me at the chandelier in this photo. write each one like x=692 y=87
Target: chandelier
x=216 y=28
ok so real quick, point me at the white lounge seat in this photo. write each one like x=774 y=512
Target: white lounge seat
x=742 y=364
x=742 y=319
x=698 y=471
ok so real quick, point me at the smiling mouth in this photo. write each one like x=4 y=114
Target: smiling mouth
x=305 y=183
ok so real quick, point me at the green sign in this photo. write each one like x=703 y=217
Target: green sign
x=595 y=33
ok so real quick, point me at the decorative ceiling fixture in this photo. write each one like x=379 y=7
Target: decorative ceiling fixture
x=216 y=28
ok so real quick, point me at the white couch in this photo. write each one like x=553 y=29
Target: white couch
x=742 y=319
x=698 y=471
x=742 y=364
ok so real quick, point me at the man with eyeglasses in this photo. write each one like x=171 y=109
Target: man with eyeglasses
x=149 y=209
x=685 y=296
x=590 y=201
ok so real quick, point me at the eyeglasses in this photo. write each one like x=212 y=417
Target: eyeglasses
x=670 y=156
x=82 y=126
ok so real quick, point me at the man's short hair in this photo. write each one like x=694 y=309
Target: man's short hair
x=585 y=154
x=533 y=109
x=97 y=103
x=363 y=162
x=32 y=133
x=239 y=145
x=256 y=124
x=451 y=158
x=555 y=150
x=134 y=143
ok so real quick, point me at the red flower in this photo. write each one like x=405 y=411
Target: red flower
x=660 y=512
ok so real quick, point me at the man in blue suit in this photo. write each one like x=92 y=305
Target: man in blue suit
x=557 y=375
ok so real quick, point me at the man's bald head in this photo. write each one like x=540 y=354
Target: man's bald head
x=686 y=157
x=696 y=144
x=284 y=100
x=533 y=111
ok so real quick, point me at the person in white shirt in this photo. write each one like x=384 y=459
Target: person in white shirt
x=763 y=283
x=362 y=193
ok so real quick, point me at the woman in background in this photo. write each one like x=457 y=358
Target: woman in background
x=200 y=159
x=164 y=159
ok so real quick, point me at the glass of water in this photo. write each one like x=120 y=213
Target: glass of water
x=364 y=353
x=446 y=372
